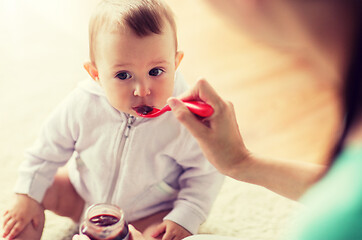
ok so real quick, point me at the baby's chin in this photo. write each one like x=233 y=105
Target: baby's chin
x=134 y=114
x=131 y=113
x=127 y=111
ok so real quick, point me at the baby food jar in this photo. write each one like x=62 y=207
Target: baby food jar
x=104 y=222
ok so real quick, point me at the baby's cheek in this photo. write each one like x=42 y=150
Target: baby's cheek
x=168 y=88
x=164 y=95
x=119 y=102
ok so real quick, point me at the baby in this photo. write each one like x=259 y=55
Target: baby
x=151 y=168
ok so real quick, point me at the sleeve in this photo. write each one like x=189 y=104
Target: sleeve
x=199 y=184
x=53 y=148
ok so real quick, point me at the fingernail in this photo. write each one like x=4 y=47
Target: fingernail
x=173 y=102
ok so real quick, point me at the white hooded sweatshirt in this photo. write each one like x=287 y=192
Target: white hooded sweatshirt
x=141 y=165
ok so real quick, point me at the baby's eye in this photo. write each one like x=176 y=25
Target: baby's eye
x=123 y=75
x=155 y=72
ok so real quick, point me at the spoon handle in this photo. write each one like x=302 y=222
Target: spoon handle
x=199 y=108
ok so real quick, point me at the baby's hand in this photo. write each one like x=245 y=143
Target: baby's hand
x=24 y=211
x=170 y=231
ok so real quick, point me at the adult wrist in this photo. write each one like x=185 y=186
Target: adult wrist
x=241 y=166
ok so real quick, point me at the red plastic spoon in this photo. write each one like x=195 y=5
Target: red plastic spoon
x=197 y=107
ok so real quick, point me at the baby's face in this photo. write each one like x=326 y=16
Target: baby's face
x=137 y=71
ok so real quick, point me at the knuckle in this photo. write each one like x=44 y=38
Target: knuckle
x=9 y=214
x=226 y=106
x=21 y=221
x=18 y=217
x=16 y=229
x=230 y=104
x=221 y=106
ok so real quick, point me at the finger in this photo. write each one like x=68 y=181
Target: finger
x=168 y=236
x=193 y=124
x=135 y=234
x=5 y=213
x=202 y=91
x=160 y=229
x=15 y=230
x=9 y=225
x=6 y=219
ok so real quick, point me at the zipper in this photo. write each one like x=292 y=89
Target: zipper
x=122 y=143
x=130 y=121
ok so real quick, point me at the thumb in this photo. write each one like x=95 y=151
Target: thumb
x=188 y=119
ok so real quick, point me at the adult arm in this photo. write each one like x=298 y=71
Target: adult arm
x=221 y=142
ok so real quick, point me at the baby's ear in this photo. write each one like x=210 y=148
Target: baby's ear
x=178 y=58
x=92 y=70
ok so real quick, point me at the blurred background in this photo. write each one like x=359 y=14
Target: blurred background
x=283 y=106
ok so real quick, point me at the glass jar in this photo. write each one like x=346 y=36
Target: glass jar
x=104 y=222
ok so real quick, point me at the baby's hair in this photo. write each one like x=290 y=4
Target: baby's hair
x=143 y=17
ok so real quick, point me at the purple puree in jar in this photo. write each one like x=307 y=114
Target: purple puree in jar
x=105 y=220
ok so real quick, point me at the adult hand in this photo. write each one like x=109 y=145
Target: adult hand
x=220 y=140
x=133 y=234
x=218 y=135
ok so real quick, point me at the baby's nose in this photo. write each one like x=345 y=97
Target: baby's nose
x=141 y=90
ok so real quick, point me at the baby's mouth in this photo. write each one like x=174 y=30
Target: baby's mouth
x=143 y=109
